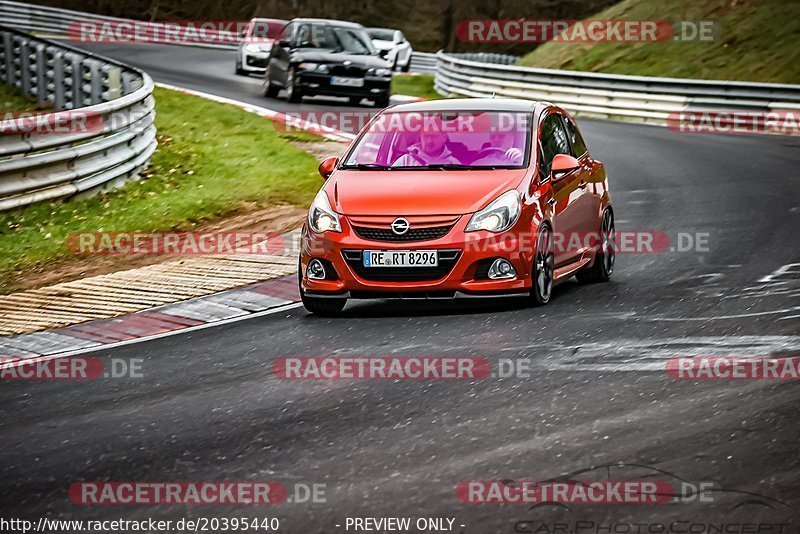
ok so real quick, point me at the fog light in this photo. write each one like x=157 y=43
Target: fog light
x=501 y=269
x=315 y=271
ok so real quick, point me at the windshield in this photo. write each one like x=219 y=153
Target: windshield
x=266 y=30
x=335 y=38
x=443 y=140
x=381 y=34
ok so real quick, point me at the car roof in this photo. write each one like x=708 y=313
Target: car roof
x=473 y=104
x=330 y=22
x=382 y=29
x=262 y=19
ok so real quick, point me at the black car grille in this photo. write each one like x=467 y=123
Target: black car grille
x=350 y=71
x=447 y=260
x=257 y=62
x=414 y=234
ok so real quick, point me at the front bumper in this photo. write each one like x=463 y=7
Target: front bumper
x=254 y=61
x=317 y=83
x=463 y=277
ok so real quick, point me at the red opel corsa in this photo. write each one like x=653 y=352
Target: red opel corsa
x=454 y=198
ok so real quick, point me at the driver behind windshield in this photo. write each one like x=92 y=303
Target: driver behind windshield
x=431 y=149
x=498 y=141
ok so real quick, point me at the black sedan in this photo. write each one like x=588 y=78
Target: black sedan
x=327 y=57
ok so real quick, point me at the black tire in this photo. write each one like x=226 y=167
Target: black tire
x=382 y=101
x=293 y=94
x=270 y=90
x=603 y=265
x=543 y=267
x=239 y=70
x=322 y=307
x=407 y=66
x=329 y=307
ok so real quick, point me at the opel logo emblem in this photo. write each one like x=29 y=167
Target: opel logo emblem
x=400 y=226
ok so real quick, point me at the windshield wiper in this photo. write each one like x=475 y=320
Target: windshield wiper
x=368 y=167
x=448 y=167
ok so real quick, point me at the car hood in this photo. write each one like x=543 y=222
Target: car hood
x=326 y=56
x=418 y=192
x=383 y=45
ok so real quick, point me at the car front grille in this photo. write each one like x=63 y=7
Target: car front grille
x=447 y=260
x=414 y=234
x=349 y=71
x=257 y=62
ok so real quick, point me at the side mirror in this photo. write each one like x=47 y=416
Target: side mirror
x=563 y=164
x=327 y=167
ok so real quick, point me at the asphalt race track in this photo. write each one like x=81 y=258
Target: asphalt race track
x=209 y=407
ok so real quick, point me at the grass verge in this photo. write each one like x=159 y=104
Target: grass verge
x=757 y=41
x=12 y=99
x=420 y=85
x=213 y=161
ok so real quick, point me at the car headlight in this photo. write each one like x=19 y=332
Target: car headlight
x=380 y=72
x=309 y=66
x=321 y=217
x=252 y=48
x=499 y=215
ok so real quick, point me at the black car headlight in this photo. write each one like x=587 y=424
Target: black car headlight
x=314 y=67
x=379 y=72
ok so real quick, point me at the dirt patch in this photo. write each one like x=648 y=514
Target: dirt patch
x=321 y=149
x=275 y=219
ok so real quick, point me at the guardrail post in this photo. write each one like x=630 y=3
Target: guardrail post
x=41 y=76
x=77 y=82
x=95 y=83
x=114 y=83
x=8 y=59
x=59 y=100
x=25 y=67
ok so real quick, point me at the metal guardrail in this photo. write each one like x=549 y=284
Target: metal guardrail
x=641 y=98
x=59 y=22
x=101 y=135
x=423 y=63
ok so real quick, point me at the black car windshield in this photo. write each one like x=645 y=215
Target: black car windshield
x=335 y=38
x=444 y=140
x=381 y=34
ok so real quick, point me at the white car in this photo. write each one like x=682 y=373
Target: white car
x=392 y=46
x=257 y=40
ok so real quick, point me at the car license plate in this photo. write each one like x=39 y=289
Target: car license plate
x=400 y=258
x=347 y=82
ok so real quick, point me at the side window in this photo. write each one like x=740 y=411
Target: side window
x=288 y=32
x=575 y=137
x=303 y=35
x=553 y=141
